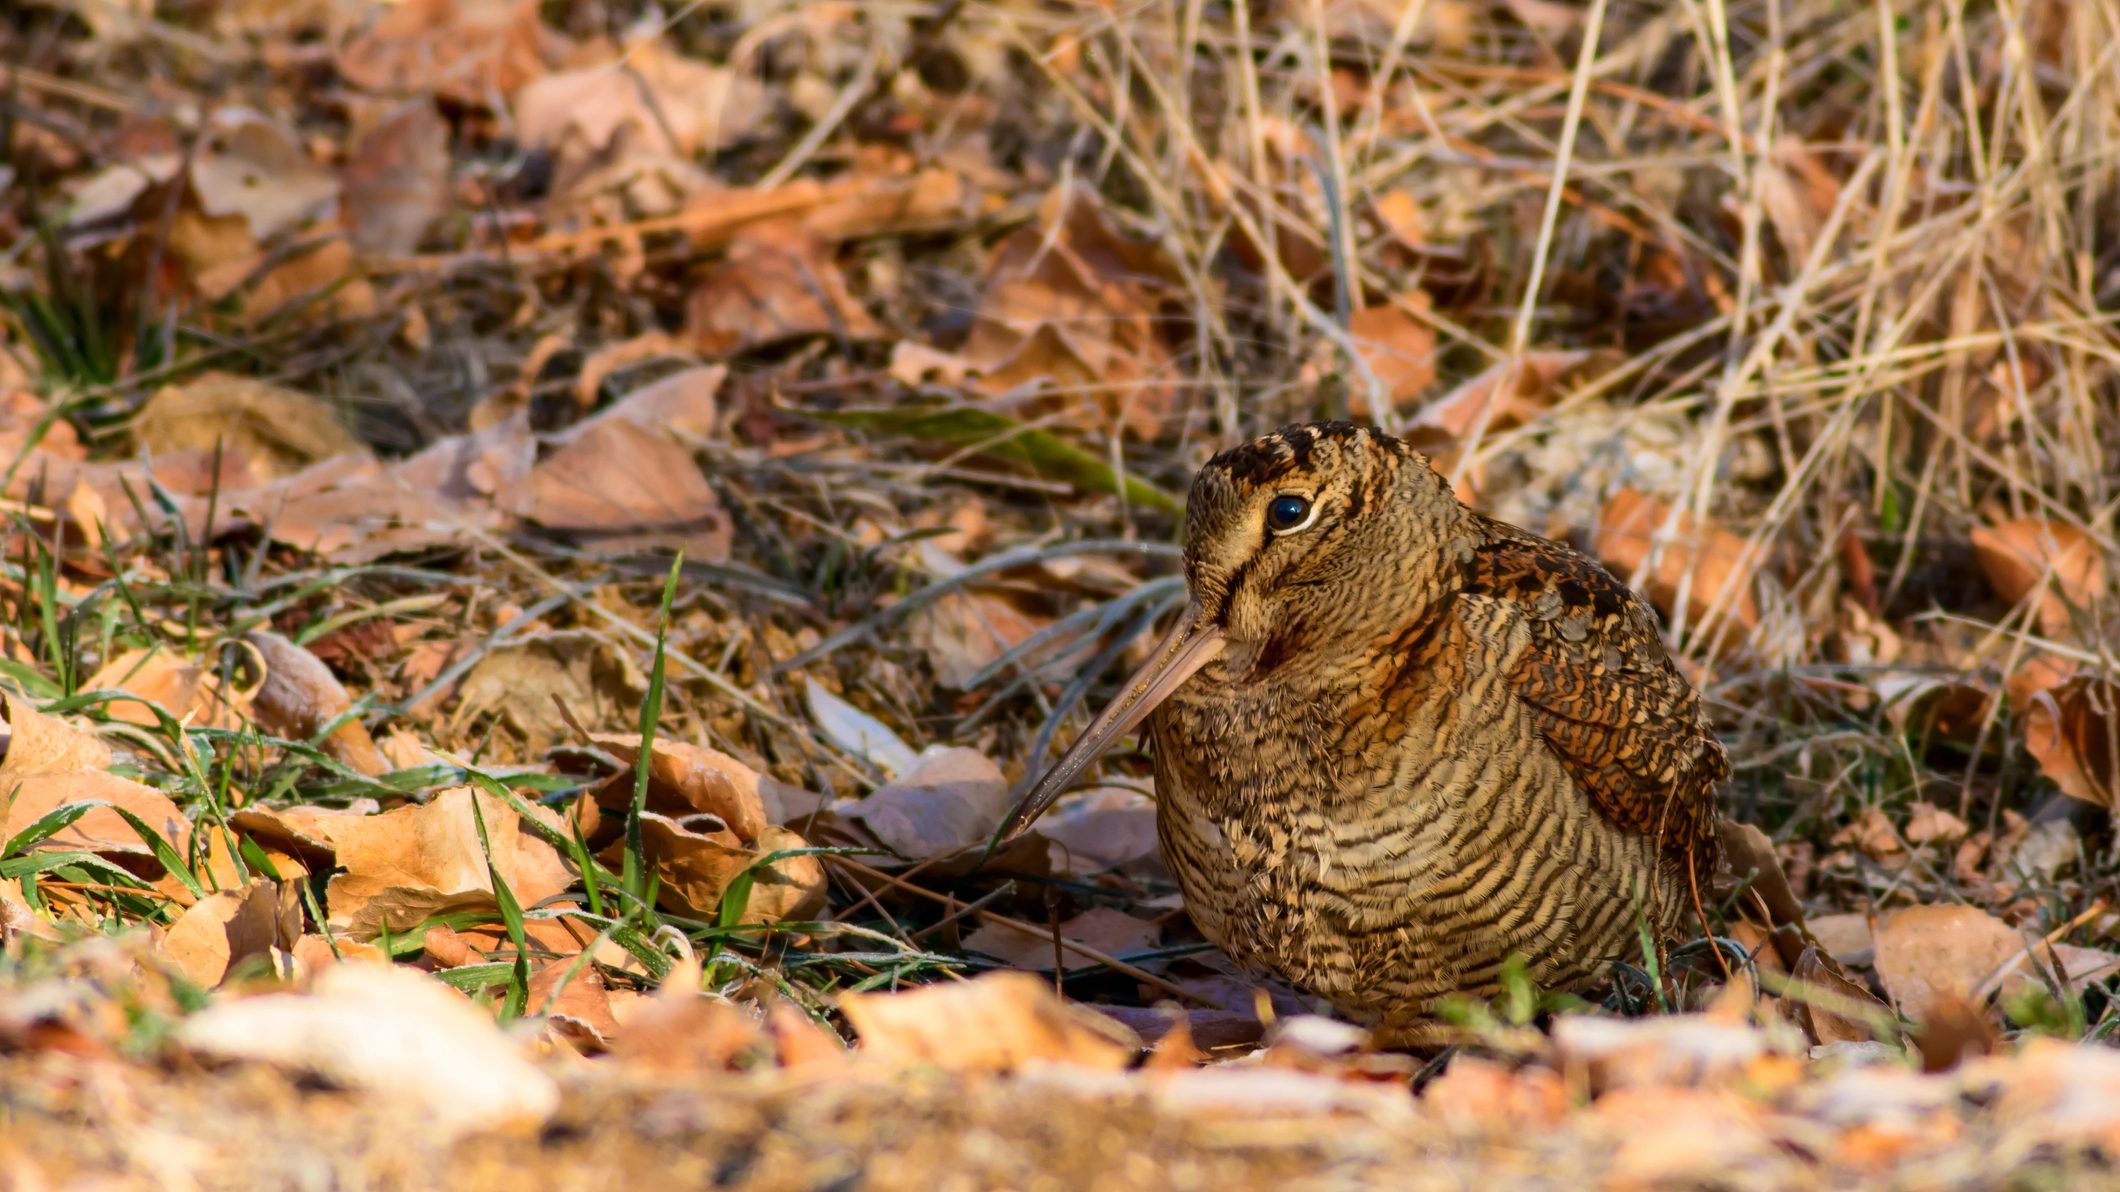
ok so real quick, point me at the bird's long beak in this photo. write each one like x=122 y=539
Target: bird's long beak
x=1191 y=644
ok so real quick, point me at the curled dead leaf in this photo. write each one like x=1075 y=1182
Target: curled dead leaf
x=685 y=779
x=231 y=926
x=696 y=868
x=2073 y=730
x=300 y=696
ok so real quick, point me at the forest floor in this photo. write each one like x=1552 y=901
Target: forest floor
x=541 y=539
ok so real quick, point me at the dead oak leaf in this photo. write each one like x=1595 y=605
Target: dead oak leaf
x=299 y=697
x=252 y=167
x=625 y=488
x=29 y=797
x=469 y=51
x=668 y=102
x=2073 y=731
x=34 y=742
x=686 y=779
x=405 y=866
x=951 y=798
x=182 y=688
x=395 y=183
x=697 y=865
x=778 y=283
x=1071 y=303
x=230 y=926
x=1399 y=348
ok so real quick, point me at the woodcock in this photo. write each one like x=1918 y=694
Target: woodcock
x=1397 y=742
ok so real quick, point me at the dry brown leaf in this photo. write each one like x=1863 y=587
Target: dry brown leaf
x=1072 y=303
x=631 y=488
x=800 y=1042
x=682 y=404
x=997 y=1022
x=696 y=866
x=31 y=796
x=1110 y=931
x=470 y=51
x=1825 y=991
x=524 y=679
x=1399 y=347
x=2017 y=556
x=300 y=695
x=1099 y=829
x=184 y=689
x=395 y=181
x=1927 y=954
x=1951 y=709
x=408 y=865
x=279 y=431
x=308 y=833
x=685 y=779
x=36 y=742
x=390 y=1032
x=571 y=993
x=249 y=166
x=964 y=632
x=1628 y=533
x=231 y=926
x=778 y=283
x=1930 y=824
x=322 y=281
x=656 y=97
x=25 y=417
x=681 y=1029
x=915 y=364
x=2074 y=733
x=356 y=510
x=951 y=798
x=314 y=953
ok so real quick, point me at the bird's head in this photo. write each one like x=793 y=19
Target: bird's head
x=1298 y=544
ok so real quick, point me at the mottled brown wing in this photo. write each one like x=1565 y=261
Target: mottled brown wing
x=1603 y=689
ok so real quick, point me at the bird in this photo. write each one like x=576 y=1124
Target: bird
x=1402 y=749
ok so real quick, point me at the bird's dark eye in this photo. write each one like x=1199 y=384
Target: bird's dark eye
x=1287 y=512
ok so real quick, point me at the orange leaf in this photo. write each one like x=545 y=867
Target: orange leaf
x=2017 y=557
x=1628 y=534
